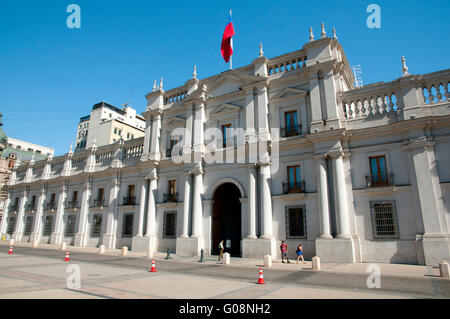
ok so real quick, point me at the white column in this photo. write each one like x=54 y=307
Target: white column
x=251 y=202
x=110 y=236
x=4 y=221
x=266 y=197
x=198 y=128
x=151 y=209
x=186 y=205
x=147 y=137
x=17 y=235
x=341 y=196
x=263 y=124
x=316 y=108
x=156 y=132
x=35 y=235
x=188 y=130
x=82 y=231
x=249 y=113
x=56 y=236
x=322 y=183
x=197 y=209
x=143 y=196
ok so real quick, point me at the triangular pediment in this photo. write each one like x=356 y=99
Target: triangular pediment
x=289 y=92
x=228 y=83
x=176 y=121
x=225 y=109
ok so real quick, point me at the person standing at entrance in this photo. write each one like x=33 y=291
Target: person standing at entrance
x=221 y=249
x=300 y=253
x=284 y=252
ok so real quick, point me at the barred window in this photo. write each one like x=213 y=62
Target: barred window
x=127 y=226
x=48 y=225
x=97 y=225
x=70 y=226
x=28 y=225
x=384 y=220
x=11 y=225
x=295 y=222
x=170 y=220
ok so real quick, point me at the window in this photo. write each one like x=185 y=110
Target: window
x=97 y=225
x=171 y=142
x=170 y=224
x=171 y=196
x=115 y=130
x=74 y=196
x=378 y=170
x=291 y=124
x=226 y=128
x=52 y=199
x=127 y=230
x=294 y=183
x=100 y=194
x=128 y=135
x=295 y=222
x=11 y=225
x=172 y=187
x=28 y=225
x=48 y=225
x=384 y=220
x=70 y=226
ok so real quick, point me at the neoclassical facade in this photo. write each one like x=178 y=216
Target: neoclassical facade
x=354 y=174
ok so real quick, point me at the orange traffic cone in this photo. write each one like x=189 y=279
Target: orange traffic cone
x=261 y=278
x=10 y=252
x=67 y=256
x=153 y=269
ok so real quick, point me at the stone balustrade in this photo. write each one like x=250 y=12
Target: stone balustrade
x=392 y=97
x=175 y=95
x=286 y=63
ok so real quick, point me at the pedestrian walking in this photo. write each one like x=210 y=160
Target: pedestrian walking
x=300 y=253
x=221 y=249
x=284 y=251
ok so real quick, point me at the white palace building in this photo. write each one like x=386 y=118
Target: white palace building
x=354 y=174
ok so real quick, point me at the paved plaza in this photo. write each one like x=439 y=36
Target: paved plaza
x=42 y=273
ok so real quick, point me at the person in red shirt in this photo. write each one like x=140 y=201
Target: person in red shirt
x=284 y=252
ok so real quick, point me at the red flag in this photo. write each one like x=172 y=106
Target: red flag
x=227 y=45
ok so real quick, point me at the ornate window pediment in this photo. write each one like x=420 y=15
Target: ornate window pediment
x=288 y=93
x=225 y=110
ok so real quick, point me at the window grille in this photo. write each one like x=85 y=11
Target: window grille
x=28 y=225
x=384 y=220
x=97 y=225
x=170 y=221
x=295 y=222
x=48 y=225
x=11 y=225
x=70 y=226
x=127 y=226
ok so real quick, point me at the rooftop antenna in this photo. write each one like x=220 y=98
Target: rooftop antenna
x=357 y=75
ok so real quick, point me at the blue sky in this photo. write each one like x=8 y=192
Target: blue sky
x=51 y=75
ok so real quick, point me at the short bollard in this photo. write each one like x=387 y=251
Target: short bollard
x=316 y=263
x=226 y=259
x=168 y=254
x=11 y=242
x=63 y=246
x=101 y=249
x=202 y=256
x=444 y=269
x=35 y=244
x=267 y=261
x=124 y=250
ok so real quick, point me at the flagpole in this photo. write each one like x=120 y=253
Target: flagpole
x=231 y=57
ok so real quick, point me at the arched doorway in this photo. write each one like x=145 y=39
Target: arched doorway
x=226 y=221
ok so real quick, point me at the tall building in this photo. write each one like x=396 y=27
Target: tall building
x=24 y=151
x=284 y=148
x=107 y=124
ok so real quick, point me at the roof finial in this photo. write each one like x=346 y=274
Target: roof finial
x=334 y=34
x=405 y=68
x=161 y=84
x=154 y=86
x=261 y=53
x=311 y=35
x=194 y=75
x=323 y=30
